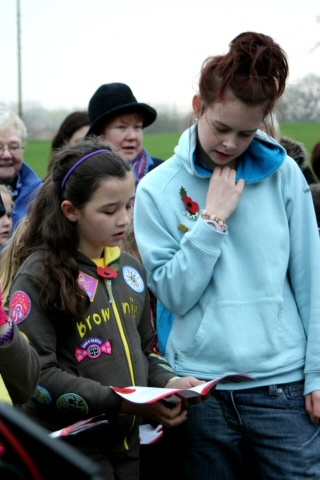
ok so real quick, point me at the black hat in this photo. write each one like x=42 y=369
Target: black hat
x=111 y=100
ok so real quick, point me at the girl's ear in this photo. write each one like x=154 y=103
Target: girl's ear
x=71 y=212
x=197 y=105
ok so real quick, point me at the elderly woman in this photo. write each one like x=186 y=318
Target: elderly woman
x=14 y=172
x=115 y=114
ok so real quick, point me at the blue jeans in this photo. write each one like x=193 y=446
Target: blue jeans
x=258 y=433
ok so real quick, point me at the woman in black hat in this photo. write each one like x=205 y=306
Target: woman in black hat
x=115 y=114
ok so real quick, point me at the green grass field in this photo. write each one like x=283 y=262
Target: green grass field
x=37 y=152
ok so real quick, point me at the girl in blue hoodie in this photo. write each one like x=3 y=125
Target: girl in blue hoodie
x=228 y=236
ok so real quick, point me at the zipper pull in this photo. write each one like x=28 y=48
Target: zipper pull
x=175 y=362
x=109 y=288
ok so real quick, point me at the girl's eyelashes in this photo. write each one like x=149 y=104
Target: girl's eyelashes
x=241 y=134
x=219 y=129
x=129 y=206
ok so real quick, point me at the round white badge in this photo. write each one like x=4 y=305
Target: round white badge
x=133 y=278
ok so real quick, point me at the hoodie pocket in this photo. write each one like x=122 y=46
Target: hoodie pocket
x=245 y=336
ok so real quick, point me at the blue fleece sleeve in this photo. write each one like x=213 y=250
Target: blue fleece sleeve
x=304 y=268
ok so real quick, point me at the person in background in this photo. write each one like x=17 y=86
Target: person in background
x=10 y=261
x=19 y=363
x=228 y=237
x=315 y=160
x=72 y=130
x=119 y=119
x=6 y=219
x=294 y=148
x=315 y=192
x=14 y=172
x=84 y=306
x=299 y=153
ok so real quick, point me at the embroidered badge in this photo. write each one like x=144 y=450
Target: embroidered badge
x=192 y=207
x=20 y=306
x=71 y=402
x=93 y=348
x=42 y=395
x=133 y=278
x=88 y=284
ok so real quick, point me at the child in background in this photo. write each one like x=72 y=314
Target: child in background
x=10 y=261
x=6 y=219
x=19 y=363
x=228 y=237
x=84 y=306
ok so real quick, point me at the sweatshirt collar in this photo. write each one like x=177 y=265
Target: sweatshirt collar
x=260 y=160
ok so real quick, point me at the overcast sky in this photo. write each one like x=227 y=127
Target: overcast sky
x=70 y=47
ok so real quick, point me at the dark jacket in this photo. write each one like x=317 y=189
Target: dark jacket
x=155 y=162
x=114 y=345
x=298 y=152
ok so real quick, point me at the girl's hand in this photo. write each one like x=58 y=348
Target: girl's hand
x=313 y=406
x=168 y=416
x=184 y=382
x=223 y=193
x=187 y=382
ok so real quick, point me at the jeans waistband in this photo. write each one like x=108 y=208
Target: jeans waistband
x=270 y=389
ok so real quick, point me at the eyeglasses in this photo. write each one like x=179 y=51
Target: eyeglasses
x=13 y=149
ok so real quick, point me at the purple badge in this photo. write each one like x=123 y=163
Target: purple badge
x=88 y=284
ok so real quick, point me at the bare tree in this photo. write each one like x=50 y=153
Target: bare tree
x=170 y=119
x=301 y=101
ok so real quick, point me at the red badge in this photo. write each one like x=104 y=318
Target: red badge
x=107 y=272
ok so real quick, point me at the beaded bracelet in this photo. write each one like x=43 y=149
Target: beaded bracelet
x=8 y=335
x=213 y=217
x=215 y=221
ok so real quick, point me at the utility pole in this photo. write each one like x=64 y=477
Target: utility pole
x=19 y=61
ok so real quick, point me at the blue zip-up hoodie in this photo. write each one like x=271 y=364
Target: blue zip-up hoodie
x=246 y=301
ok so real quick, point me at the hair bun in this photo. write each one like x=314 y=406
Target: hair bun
x=255 y=70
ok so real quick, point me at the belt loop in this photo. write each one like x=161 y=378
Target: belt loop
x=273 y=391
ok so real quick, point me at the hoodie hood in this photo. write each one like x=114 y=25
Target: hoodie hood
x=261 y=159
